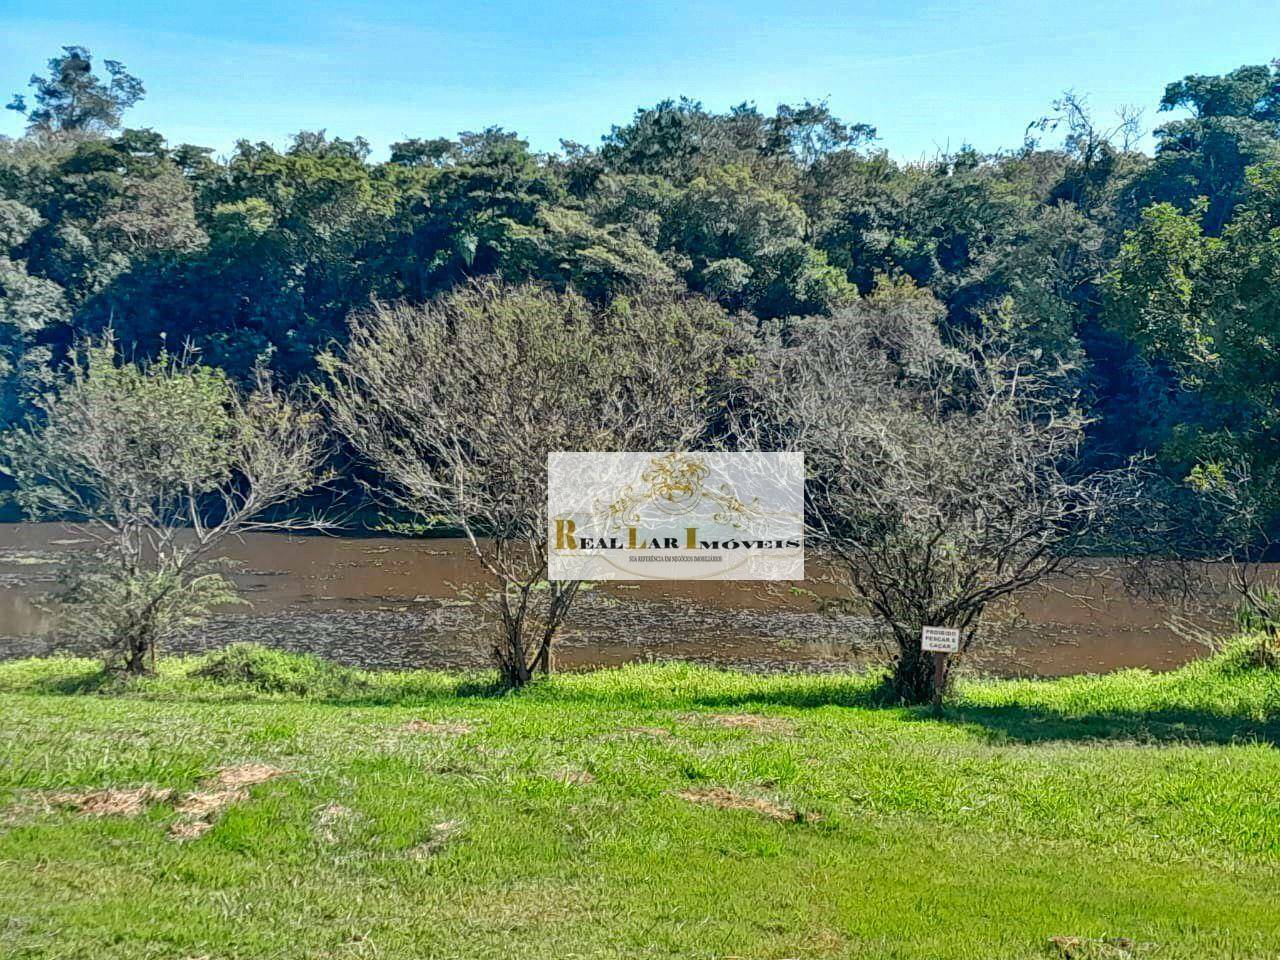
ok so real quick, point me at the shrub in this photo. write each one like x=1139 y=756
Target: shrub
x=277 y=671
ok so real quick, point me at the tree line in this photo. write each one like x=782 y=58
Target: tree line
x=1152 y=275
x=996 y=362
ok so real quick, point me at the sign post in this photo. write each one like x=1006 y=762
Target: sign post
x=939 y=641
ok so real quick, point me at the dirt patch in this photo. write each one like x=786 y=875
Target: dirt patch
x=441 y=835
x=336 y=823
x=743 y=721
x=246 y=775
x=1098 y=948
x=185 y=830
x=207 y=804
x=111 y=802
x=726 y=799
x=199 y=809
x=651 y=733
x=445 y=728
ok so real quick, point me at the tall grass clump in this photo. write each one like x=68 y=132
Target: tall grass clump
x=277 y=671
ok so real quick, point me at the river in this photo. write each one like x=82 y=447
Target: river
x=390 y=602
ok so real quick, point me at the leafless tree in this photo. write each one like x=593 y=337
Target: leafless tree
x=938 y=477
x=1093 y=149
x=1206 y=533
x=459 y=401
x=157 y=464
x=1084 y=140
x=1244 y=542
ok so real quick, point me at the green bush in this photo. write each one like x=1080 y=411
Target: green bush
x=276 y=671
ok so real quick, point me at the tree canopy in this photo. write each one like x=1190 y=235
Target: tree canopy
x=1152 y=277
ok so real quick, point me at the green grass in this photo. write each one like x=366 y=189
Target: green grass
x=549 y=823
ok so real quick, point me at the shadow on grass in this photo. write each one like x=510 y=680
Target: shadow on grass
x=1020 y=723
x=1028 y=723
x=72 y=684
x=1223 y=700
x=857 y=693
x=333 y=691
x=352 y=695
x=466 y=688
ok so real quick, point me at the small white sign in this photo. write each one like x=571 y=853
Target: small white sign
x=940 y=640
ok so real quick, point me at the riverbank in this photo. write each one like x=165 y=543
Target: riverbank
x=260 y=805
x=393 y=603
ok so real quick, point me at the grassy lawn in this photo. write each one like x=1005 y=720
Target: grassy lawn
x=292 y=809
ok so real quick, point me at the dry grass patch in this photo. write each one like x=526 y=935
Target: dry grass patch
x=198 y=810
x=335 y=823
x=247 y=775
x=744 y=721
x=650 y=733
x=441 y=835
x=726 y=799
x=189 y=830
x=453 y=728
x=206 y=804
x=111 y=802
x=1099 y=948
x=579 y=777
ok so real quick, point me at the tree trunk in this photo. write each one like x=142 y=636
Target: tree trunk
x=512 y=670
x=509 y=652
x=138 y=651
x=912 y=679
x=542 y=664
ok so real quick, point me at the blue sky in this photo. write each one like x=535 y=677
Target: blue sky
x=930 y=76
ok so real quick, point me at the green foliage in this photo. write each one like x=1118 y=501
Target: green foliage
x=274 y=671
x=157 y=463
x=73 y=98
x=116 y=609
x=1234 y=126
x=1205 y=308
x=1154 y=276
x=140 y=434
x=1157 y=286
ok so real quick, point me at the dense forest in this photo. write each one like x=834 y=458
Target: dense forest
x=1156 y=278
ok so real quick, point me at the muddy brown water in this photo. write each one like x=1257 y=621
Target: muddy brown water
x=390 y=602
